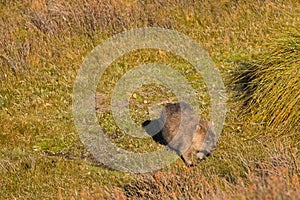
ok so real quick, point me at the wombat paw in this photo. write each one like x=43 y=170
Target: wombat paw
x=189 y=163
x=201 y=155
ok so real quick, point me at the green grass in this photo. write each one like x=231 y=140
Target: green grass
x=42 y=47
x=270 y=85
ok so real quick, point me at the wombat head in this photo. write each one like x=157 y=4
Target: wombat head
x=209 y=143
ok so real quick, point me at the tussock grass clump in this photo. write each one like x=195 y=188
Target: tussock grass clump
x=269 y=86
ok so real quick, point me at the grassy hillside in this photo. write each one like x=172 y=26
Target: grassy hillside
x=254 y=45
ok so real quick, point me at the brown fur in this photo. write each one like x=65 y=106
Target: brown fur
x=183 y=131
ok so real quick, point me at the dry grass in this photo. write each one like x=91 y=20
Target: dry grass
x=275 y=177
x=42 y=46
x=263 y=182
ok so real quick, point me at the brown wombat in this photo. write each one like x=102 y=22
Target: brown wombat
x=183 y=131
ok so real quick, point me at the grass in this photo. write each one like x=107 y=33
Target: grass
x=42 y=46
x=264 y=175
x=270 y=84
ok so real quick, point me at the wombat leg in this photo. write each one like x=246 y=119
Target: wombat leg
x=187 y=158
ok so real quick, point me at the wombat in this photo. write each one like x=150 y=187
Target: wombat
x=182 y=131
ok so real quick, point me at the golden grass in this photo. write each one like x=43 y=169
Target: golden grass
x=276 y=178
x=270 y=84
x=42 y=46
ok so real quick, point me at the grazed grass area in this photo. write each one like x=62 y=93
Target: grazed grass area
x=42 y=46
